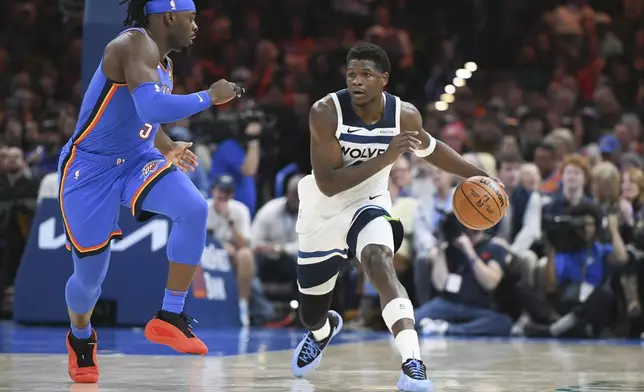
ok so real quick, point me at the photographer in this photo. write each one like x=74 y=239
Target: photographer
x=239 y=157
x=466 y=269
x=579 y=271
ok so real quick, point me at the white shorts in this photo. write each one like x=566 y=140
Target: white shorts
x=326 y=239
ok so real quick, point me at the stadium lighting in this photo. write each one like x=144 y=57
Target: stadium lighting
x=450 y=89
x=463 y=74
x=471 y=66
x=458 y=82
x=441 y=106
x=448 y=98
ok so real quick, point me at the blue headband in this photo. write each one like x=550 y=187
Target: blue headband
x=161 y=6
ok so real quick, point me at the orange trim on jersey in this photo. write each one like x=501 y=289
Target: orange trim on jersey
x=138 y=192
x=68 y=164
x=162 y=66
x=62 y=211
x=100 y=112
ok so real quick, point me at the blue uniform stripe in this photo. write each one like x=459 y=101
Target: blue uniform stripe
x=365 y=139
x=312 y=275
x=319 y=253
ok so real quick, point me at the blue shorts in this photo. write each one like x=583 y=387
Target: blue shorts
x=94 y=187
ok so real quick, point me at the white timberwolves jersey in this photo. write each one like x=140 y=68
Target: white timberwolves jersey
x=359 y=142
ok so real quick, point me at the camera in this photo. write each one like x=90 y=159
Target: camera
x=565 y=232
x=450 y=227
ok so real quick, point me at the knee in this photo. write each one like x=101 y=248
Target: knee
x=244 y=258
x=194 y=212
x=87 y=283
x=90 y=272
x=378 y=258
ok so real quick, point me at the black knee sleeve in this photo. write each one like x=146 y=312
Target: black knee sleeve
x=314 y=310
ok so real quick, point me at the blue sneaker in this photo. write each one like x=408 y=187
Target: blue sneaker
x=308 y=353
x=413 y=377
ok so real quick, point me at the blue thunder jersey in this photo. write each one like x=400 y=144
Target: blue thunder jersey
x=108 y=123
x=359 y=142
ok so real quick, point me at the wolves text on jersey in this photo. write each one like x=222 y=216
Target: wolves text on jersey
x=362 y=153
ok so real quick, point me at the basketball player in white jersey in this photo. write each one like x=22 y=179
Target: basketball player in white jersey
x=356 y=136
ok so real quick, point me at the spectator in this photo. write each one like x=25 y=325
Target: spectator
x=466 y=269
x=579 y=276
x=545 y=157
x=229 y=223
x=239 y=158
x=18 y=195
x=274 y=242
x=574 y=175
x=426 y=227
x=520 y=228
x=403 y=208
x=530 y=178
x=605 y=185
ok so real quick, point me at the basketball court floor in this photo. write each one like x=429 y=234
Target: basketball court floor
x=33 y=359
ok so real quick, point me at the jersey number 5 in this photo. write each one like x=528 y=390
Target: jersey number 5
x=144 y=132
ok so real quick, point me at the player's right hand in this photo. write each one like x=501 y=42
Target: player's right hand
x=223 y=91
x=405 y=141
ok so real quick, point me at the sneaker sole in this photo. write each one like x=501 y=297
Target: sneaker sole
x=172 y=342
x=313 y=365
x=403 y=385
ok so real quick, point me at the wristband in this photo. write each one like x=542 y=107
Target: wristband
x=429 y=150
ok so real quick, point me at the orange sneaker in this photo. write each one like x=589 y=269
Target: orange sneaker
x=174 y=330
x=83 y=365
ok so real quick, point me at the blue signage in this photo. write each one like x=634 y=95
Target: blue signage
x=136 y=278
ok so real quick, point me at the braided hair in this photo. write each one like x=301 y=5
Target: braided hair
x=135 y=13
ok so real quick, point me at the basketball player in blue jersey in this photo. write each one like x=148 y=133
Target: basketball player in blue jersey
x=117 y=156
x=356 y=136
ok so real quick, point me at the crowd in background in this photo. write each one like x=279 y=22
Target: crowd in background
x=554 y=109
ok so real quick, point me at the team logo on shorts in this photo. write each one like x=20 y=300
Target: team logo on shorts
x=151 y=168
x=173 y=5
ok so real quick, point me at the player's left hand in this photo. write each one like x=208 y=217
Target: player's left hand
x=182 y=157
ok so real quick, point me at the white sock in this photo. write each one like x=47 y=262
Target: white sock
x=407 y=344
x=323 y=332
x=243 y=304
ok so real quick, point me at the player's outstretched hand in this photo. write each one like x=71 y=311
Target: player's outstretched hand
x=182 y=157
x=223 y=91
x=405 y=141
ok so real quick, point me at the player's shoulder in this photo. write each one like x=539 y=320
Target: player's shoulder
x=323 y=107
x=323 y=113
x=133 y=41
x=409 y=109
x=410 y=116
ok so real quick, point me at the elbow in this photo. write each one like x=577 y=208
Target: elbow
x=145 y=114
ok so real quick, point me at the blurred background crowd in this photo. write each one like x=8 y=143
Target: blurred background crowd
x=547 y=95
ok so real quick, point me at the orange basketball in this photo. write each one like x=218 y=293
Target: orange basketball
x=479 y=203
